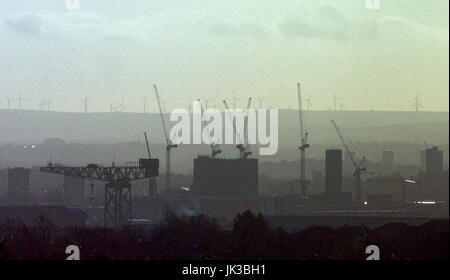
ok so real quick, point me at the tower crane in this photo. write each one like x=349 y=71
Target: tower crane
x=359 y=166
x=169 y=144
x=152 y=190
x=215 y=150
x=303 y=146
x=244 y=149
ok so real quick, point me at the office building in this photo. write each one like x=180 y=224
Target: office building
x=388 y=158
x=18 y=182
x=434 y=161
x=333 y=171
x=213 y=176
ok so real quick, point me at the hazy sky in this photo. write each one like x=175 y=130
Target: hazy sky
x=112 y=50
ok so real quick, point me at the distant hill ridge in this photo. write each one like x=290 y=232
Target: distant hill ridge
x=24 y=126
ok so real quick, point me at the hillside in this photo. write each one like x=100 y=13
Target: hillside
x=26 y=126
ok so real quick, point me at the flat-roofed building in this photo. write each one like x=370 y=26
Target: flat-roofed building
x=388 y=158
x=434 y=161
x=217 y=176
x=423 y=159
x=18 y=182
x=333 y=171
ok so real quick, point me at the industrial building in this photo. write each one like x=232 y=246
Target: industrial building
x=217 y=176
x=333 y=171
x=18 y=186
x=434 y=161
x=388 y=158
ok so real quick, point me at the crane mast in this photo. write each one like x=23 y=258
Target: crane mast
x=152 y=190
x=215 y=150
x=244 y=149
x=169 y=144
x=304 y=144
x=148 y=147
x=358 y=166
x=247 y=151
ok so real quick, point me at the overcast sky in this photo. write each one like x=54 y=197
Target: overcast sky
x=112 y=50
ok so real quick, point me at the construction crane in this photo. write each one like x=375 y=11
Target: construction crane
x=215 y=150
x=244 y=149
x=169 y=144
x=152 y=190
x=304 y=144
x=359 y=166
x=117 y=208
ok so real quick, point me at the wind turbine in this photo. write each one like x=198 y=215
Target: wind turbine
x=21 y=99
x=48 y=102
x=234 y=102
x=206 y=103
x=145 y=101
x=85 y=103
x=122 y=105
x=335 y=99
x=41 y=105
x=308 y=102
x=9 y=102
x=260 y=101
x=417 y=104
x=169 y=144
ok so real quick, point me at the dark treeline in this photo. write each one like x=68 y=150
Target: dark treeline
x=200 y=238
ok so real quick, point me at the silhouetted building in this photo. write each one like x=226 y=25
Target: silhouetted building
x=74 y=191
x=388 y=158
x=379 y=201
x=152 y=190
x=18 y=182
x=423 y=159
x=317 y=180
x=333 y=171
x=434 y=161
x=213 y=176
